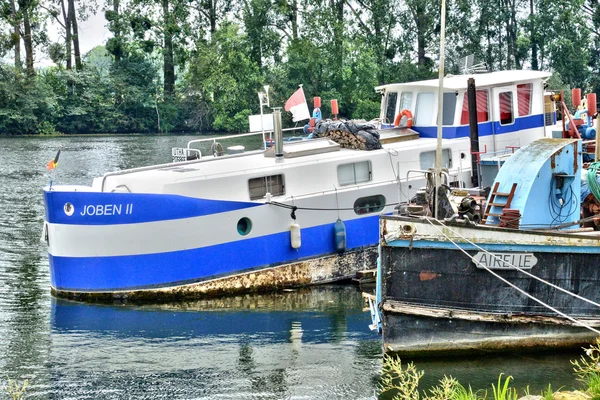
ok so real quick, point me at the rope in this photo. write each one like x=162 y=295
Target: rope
x=283 y=205
x=577 y=322
x=522 y=270
x=592 y=180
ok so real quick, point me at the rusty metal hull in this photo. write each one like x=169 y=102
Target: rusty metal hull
x=420 y=336
x=322 y=270
x=435 y=298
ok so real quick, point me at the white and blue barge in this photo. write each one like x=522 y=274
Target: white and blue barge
x=254 y=220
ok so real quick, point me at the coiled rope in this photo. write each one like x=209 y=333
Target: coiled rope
x=575 y=321
x=592 y=180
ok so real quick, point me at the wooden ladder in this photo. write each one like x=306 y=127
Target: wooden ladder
x=494 y=202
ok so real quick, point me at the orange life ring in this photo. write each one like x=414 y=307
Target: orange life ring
x=408 y=115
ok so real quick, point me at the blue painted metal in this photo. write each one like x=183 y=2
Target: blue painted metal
x=485 y=128
x=497 y=247
x=152 y=270
x=547 y=173
x=112 y=208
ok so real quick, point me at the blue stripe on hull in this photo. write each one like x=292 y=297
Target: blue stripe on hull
x=129 y=208
x=497 y=247
x=167 y=269
x=484 y=128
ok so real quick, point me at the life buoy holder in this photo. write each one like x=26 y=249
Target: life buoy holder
x=217 y=149
x=408 y=115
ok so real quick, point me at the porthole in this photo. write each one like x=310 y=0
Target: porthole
x=69 y=209
x=244 y=226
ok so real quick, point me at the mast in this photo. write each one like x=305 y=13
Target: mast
x=438 y=153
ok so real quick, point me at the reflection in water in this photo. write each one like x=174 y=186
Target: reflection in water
x=273 y=345
x=312 y=344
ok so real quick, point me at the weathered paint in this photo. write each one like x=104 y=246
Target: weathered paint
x=327 y=269
x=427 y=276
x=466 y=309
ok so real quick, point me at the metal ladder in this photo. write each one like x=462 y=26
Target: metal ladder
x=494 y=202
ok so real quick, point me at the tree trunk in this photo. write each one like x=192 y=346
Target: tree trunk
x=338 y=42
x=73 y=19
x=117 y=30
x=16 y=34
x=533 y=38
x=513 y=34
x=213 y=16
x=509 y=49
x=168 y=59
x=68 y=36
x=294 y=19
x=28 y=40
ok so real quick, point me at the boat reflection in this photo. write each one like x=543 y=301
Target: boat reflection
x=314 y=315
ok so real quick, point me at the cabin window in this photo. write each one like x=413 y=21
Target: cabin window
x=351 y=174
x=483 y=115
x=506 y=108
x=390 y=111
x=424 y=108
x=449 y=108
x=405 y=101
x=427 y=159
x=259 y=187
x=369 y=204
x=524 y=98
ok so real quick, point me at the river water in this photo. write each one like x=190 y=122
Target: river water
x=311 y=343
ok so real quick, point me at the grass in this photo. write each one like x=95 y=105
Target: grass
x=16 y=390
x=401 y=382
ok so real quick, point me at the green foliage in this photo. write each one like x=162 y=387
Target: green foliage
x=366 y=109
x=450 y=388
x=548 y=394
x=25 y=102
x=16 y=390
x=404 y=382
x=503 y=391
x=587 y=369
x=225 y=80
x=198 y=65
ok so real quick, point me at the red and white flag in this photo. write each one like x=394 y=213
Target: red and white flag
x=297 y=105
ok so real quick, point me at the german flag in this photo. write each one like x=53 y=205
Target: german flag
x=54 y=162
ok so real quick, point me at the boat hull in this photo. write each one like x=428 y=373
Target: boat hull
x=420 y=336
x=436 y=299
x=173 y=246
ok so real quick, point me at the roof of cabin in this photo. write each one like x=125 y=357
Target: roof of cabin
x=458 y=82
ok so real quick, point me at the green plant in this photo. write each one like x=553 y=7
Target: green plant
x=450 y=388
x=15 y=390
x=548 y=394
x=587 y=369
x=404 y=381
x=503 y=391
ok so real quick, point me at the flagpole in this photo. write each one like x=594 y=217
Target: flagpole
x=438 y=153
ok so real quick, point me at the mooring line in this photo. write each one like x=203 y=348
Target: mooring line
x=514 y=286
x=522 y=270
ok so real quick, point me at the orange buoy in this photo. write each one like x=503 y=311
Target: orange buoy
x=576 y=97
x=334 y=107
x=409 y=118
x=591 y=103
